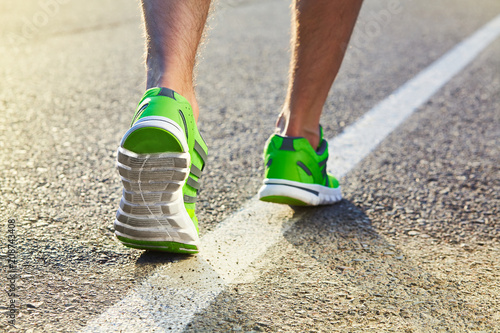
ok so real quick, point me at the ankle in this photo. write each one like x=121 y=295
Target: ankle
x=185 y=90
x=191 y=97
x=311 y=136
x=285 y=127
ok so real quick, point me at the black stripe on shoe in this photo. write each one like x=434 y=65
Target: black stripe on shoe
x=138 y=113
x=300 y=188
x=304 y=167
x=167 y=93
x=185 y=124
x=323 y=162
x=322 y=147
x=287 y=144
x=325 y=175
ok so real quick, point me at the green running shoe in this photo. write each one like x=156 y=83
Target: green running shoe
x=296 y=173
x=160 y=161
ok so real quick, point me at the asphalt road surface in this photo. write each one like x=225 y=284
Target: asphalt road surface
x=413 y=247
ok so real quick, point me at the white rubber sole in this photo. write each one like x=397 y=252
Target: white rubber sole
x=310 y=194
x=152 y=211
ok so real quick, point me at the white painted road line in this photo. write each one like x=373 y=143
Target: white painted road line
x=359 y=139
x=174 y=293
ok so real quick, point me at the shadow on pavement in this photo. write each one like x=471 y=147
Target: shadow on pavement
x=149 y=260
x=335 y=272
x=321 y=230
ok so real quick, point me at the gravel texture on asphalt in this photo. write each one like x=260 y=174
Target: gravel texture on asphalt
x=253 y=80
x=414 y=247
x=68 y=91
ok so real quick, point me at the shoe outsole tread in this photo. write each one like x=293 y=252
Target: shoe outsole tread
x=156 y=157
x=152 y=214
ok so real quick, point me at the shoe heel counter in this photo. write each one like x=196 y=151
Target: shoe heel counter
x=282 y=161
x=281 y=168
x=164 y=107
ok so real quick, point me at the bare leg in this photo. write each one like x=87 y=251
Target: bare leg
x=173 y=31
x=320 y=31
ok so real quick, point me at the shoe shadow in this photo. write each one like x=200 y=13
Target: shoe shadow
x=148 y=261
x=340 y=236
x=327 y=248
x=343 y=218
